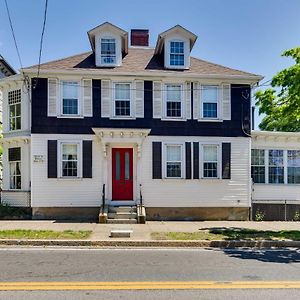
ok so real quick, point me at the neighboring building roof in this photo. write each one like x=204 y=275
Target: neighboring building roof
x=274 y=134
x=5 y=68
x=139 y=60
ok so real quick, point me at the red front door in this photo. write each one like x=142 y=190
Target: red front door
x=122 y=174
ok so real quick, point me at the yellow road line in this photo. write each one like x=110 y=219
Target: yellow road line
x=147 y=285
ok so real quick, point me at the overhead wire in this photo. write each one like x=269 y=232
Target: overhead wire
x=41 y=43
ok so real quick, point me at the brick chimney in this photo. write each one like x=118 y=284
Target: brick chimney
x=139 y=37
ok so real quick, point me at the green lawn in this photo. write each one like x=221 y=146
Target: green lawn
x=228 y=234
x=44 y=234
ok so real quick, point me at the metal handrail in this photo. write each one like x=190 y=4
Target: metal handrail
x=141 y=198
x=103 y=196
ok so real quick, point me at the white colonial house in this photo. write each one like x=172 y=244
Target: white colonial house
x=132 y=132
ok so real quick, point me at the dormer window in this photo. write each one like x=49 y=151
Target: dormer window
x=108 y=51
x=177 y=53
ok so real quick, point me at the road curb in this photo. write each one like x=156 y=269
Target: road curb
x=152 y=243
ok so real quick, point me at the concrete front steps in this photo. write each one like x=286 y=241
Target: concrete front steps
x=122 y=214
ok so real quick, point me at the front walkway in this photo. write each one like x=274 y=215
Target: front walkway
x=143 y=232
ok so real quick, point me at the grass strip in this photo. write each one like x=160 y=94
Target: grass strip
x=44 y=234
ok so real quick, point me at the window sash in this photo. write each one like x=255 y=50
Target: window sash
x=177 y=53
x=70 y=98
x=15 y=179
x=122 y=100
x=210 y=162
x=108 y=51
x=258 y=170
x=69 y=160
x=15 y=116
x=293 y=166
x=173 y=164
x=210 y=101
x=173 y=101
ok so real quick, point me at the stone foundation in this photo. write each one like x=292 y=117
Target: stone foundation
x=66 y=213
x=197 y=213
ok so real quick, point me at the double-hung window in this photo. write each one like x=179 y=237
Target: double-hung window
x=69 y=159
x=14 y=102
x=173 y=161
x=177 y=53
x=258 y=165
x=14 y=158
x=293 y=166
x=209 y=105
x=70 y=98
x=108 y=51
x=173 y=101
x=210 y=161
x=122 y=100
x=276 y=166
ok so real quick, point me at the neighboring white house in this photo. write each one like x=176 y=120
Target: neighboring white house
x=276 y=174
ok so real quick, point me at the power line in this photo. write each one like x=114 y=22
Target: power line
x=41 y=43
x=13 y=33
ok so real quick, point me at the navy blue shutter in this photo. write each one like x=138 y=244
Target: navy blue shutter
x=188 y=161
x=156 y=160
x=87 y=159
x=226 y=160
x=196 y=160
x=52 y=159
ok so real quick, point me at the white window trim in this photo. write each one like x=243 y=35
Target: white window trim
x=219 y=104
x=116 y=57
x=80 y=95
x=114 y=116
x=167 y=52
x=219 y=161
x=165 y=117
x=264 y=165
x=8 y=112
x=285 y=167
x=184 y=54
x=164 y=160
x=20 y=162
x=79 y=160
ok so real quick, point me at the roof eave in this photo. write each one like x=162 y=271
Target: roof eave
x=251 y=78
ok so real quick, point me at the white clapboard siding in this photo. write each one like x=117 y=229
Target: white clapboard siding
x=187 y=93
x=53 y=94
x=139 y=98
x=226 y=102
x=196 y=100
x=87 y=98
x=106 y=98
x=157 y=99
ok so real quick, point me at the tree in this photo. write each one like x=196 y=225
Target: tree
x=281 y=103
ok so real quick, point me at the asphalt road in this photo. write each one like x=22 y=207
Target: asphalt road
x=149 y=274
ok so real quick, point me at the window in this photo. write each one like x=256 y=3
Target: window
x=14 y=158
x=209 y=102
x=14 y=102
x=177 y=53
x=69 y=159
x=70 y=101
x=108 y=51
x=174 y=161
x=293 y=166
x=173 y=101
x=276 y=167
x=258 y=165
x=210 y=161
x=122 y=99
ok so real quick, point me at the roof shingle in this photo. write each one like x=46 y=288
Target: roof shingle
x=138 y=60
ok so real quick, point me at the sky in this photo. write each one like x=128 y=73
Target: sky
x=249 y=35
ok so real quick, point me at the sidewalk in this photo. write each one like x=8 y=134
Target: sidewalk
x=142 y=232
